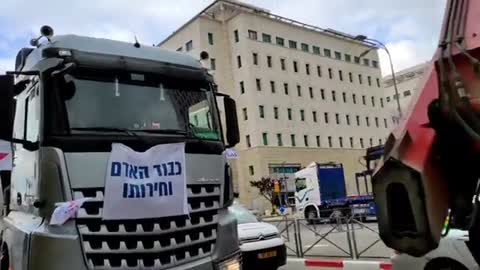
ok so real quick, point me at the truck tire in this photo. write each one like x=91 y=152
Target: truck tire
x=311 y=215
x=4 y=258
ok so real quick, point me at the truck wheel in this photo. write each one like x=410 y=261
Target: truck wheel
x=311 y=215
x=4 y=259
x=445 y=264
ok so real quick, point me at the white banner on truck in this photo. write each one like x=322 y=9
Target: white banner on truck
x=150 y=184
x=5 y=156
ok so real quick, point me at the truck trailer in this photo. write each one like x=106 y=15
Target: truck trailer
x=64 y=104
x=321 y=194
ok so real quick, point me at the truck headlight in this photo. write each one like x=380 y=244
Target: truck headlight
x=230 y=264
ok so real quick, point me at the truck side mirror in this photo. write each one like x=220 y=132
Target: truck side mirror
x=231 y=119
x=7 y=104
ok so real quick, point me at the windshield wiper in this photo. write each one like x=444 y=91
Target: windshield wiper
x=163 y=131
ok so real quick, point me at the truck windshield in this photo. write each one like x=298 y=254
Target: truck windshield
x=137 y=102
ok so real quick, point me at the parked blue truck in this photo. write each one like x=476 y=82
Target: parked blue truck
x=321 y=194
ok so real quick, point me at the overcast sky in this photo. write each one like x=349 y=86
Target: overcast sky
x=409 y=28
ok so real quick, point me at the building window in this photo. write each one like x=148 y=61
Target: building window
x=180 y=49
x=330 y=73
x=373 y=101
x=344 y=96
x=280 y=41
x=350 y=77
x=369 y=80
x=319 y=71
x=340 y=141
x=282 y=63
x=292 y=139
x=235 y=34
x=379 y=141
x=388 y=99
x=358 y=120
x=376 y=122
x=347 y=117
x=385 y=122
x=381 y=102
x=348 y=58
x=255 y=58
x=378 y=82
x=292 y=44
x=395 y=96
x=330 y=141
x=360 y=78
x=354 y=98
x=302 y=115
x=252 y=34
x=279 y=139
x=337 y=118
x=299 y=90
x=269 y=61
x=275 y=112
x=322 y=94
x=261 y=111
x=367 y=121
x=307 y=69
x=239 y=61
x=210 y=38
x=289 y=114
x=317 y=138
x=250 y=170
x=310 y=90
x=245 y=115
x=327 y=53
x=189 y=46
x=314 y=115
x=247 y=138
x=242 y=88
x=265 y=138
x=326 y=117
x=305 y=140
x=371 y=142
x=304 y=47
x=295 y=66
x=340 y=75
x=364 y=100
x=259 y=84
x=366 y=62
x=316 y=50
x=375 y=64
x=361 y=143
x=351 y=142
x=407 y=93
x=285 y=88
x=213 y=65
x=266 y=38
x=356 y=59
x=338 y=56
x=334 y=96
x=272 y=86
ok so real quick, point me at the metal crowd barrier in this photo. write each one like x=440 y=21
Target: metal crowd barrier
x=331 y=237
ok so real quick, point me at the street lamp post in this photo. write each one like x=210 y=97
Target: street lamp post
x=381 y=45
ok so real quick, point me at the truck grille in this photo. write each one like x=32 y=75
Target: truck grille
x=148 y=243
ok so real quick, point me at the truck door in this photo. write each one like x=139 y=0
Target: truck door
x=25 y=162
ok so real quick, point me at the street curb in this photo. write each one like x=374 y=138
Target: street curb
x=349 y=265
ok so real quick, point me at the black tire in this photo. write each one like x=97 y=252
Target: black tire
x=445 y=264
x=311 y=215
x=4 y=259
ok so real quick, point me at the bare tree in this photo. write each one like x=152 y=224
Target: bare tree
x=265 y=188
